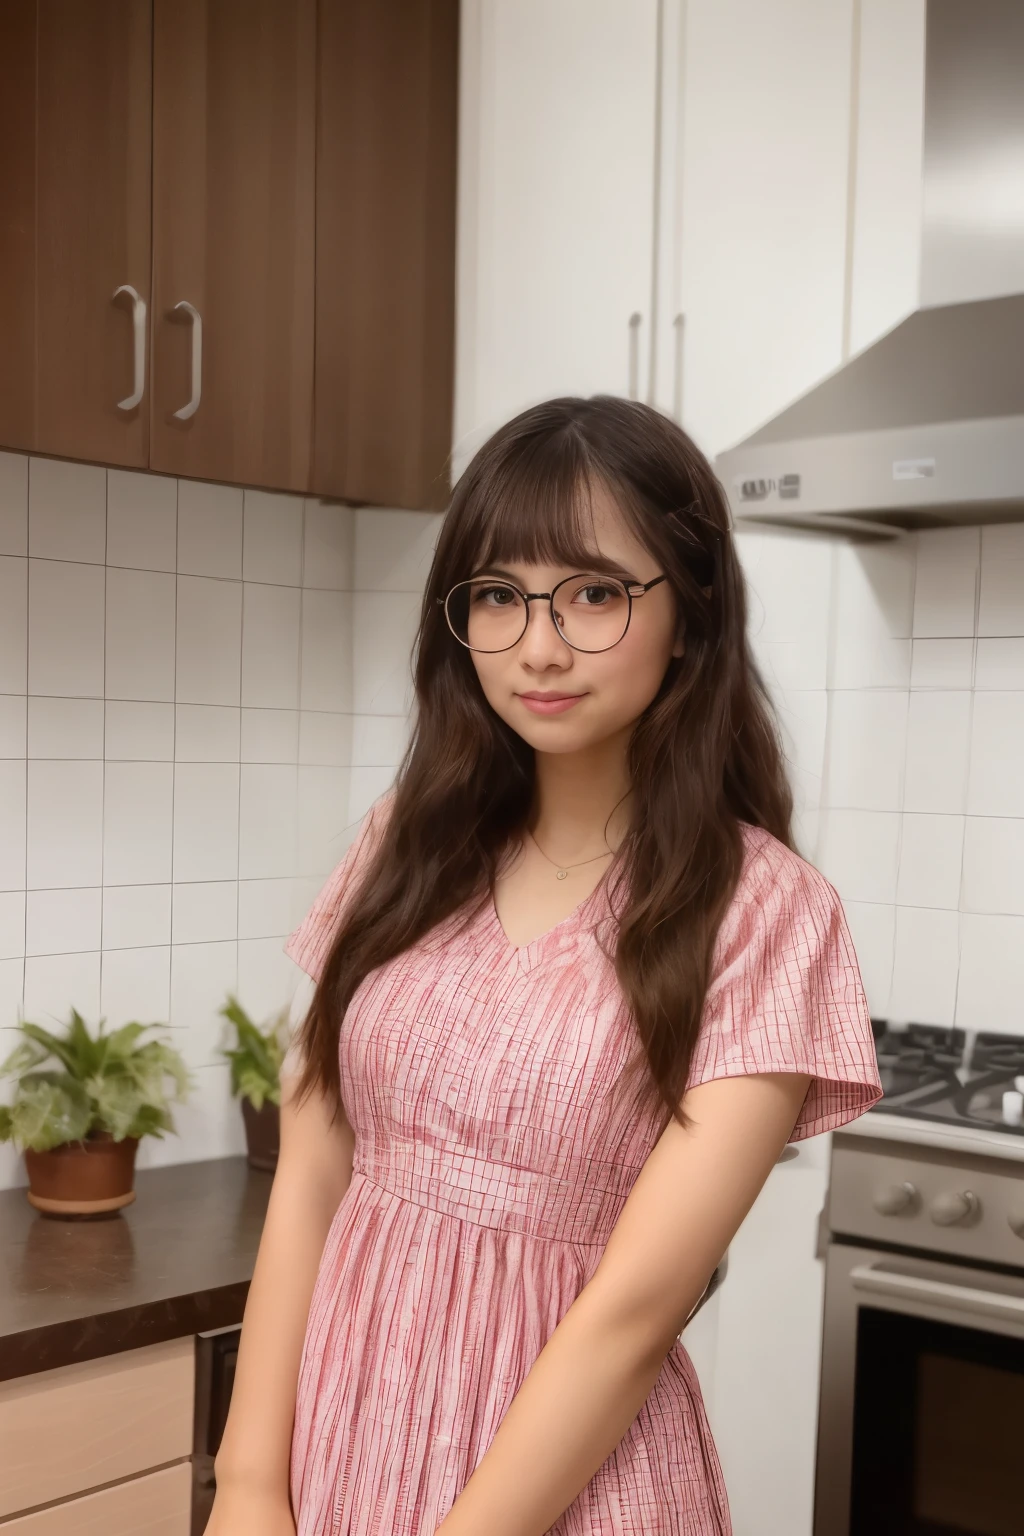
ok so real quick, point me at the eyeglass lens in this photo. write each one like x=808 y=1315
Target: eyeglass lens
x=488 y=615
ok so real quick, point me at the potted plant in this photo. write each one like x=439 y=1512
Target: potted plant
x=256 y=1058
x=81 y=1105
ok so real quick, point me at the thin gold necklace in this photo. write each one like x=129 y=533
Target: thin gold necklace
x=563 y=869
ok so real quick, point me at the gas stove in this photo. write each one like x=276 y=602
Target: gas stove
x=973 y=1079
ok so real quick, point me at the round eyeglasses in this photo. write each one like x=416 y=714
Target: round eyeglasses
x=591 y=613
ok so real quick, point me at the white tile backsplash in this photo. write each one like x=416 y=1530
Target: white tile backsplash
x=205 y=909
x=328 y=551
x=990 y=992
x=264 y=719
x=272 y=538
x=13 y=725
x=1001 y=611
x=63 y=921
x=931 y=857
x=65 y=824
x=13 y=616
x=994 y=866
x=54 y=984
x=65 y=628
x=945 y=589
x=209 y=641
x=206 y=821
x=996 y=785
x=136 y=916
x=270 y=646
x=327 y=651
x=859 y=853
x=945 y=664
x=140 y=635
x=12 y=824
x=142 y=520
x=209 y=529
x=135 y=986
x=13 y=504
x=137 y=812
x=67 y=510
x=938 y=736
x=1000 y=664
x=926 y=965
x=866 y=750
x=65 y=727
x=206 y=733
x=135 y=731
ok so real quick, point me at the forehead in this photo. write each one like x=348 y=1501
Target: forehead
x=587 y=526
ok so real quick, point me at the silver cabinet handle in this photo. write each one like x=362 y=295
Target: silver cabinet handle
x=197 y=360
x=139 y=332
x=635 y=321
x=878 y=1281
x=679 y=326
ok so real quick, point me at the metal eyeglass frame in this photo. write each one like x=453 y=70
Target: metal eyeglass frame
x=632 y=590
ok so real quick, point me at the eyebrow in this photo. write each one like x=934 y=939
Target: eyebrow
x=597 y=565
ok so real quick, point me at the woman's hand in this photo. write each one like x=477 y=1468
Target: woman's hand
x=239 y=1511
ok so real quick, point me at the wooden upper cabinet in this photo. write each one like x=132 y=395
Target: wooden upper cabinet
x=234 y=136
x=385 y=250
x=74 y=226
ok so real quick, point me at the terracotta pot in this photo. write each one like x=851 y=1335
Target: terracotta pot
x=94 y=1177
x=262 y=1134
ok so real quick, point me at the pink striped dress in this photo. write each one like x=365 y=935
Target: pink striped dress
x=491 y=1163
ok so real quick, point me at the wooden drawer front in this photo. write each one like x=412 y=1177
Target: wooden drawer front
x=83 y=1425
x=159 y=1504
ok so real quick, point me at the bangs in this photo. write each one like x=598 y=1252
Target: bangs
x=536 y=508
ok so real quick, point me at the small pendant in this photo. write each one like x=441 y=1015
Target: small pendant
x=562 y=874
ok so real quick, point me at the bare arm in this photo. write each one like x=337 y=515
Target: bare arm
x=590 y=1380
x=313 y=1172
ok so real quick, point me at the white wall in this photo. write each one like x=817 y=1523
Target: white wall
x=903 y=663
x=201 y=691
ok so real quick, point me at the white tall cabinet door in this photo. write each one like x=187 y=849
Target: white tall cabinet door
x=886 y=243
x=761 y=144
x=763 y=1397
x=556 y=204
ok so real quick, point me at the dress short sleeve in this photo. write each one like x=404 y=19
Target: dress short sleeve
x=786 y=993
x=309 y=944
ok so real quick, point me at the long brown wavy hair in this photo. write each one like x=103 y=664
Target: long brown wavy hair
x=704 y=756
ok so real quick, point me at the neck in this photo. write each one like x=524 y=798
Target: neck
x=581 y=800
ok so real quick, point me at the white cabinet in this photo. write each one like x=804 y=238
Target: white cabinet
x=759 y=1370
x=888 y=174
x=757 y=235
x=556 y=198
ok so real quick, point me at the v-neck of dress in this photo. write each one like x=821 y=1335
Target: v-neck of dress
x=530 y=954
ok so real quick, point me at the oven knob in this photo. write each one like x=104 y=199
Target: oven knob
x=895 y=1199
x=955 y=1208
x=1016 y=1224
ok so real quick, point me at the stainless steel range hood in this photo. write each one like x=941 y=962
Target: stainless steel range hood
x=925 y=427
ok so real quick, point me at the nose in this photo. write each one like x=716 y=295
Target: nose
x=542 y=644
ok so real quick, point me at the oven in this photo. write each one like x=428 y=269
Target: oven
x=921 y=1414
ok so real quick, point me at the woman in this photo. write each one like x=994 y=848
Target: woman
x=584 y=992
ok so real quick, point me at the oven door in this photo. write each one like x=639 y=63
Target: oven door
x=921 y=1411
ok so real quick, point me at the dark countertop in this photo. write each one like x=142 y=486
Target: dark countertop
x=175 y=1262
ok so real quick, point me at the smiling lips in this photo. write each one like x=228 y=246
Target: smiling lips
x=549 y=703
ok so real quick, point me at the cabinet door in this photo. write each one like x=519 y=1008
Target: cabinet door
x=764 y=1404
x=234 y=85
x=385 y=250
x=764 y=180
x=75 y=213
x=557 y=146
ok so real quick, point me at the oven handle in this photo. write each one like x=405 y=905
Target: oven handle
x=961 y=1298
